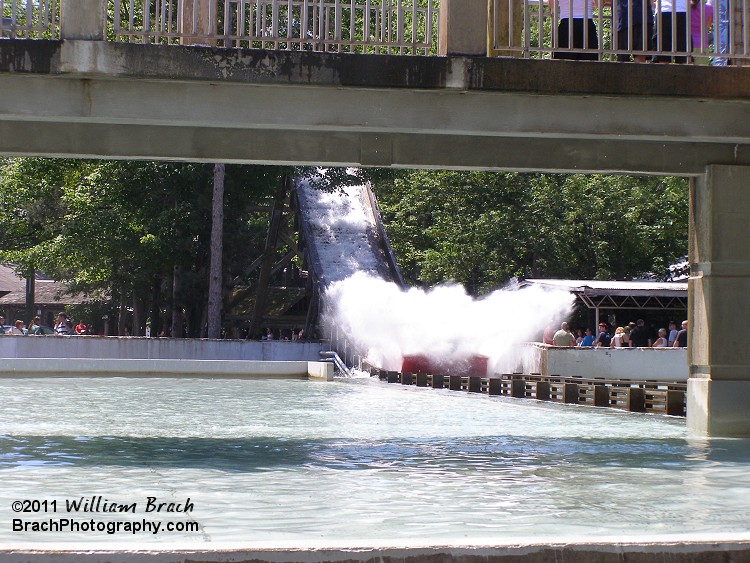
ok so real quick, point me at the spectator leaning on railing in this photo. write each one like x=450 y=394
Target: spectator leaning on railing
x=603 y=338
x=682 y=341
x=632 y=34
x=564 y=337
x=588 y=339
x=62 y=326
x=664 y=30
x=575 y=16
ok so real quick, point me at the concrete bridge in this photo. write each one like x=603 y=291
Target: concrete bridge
x=81 y=96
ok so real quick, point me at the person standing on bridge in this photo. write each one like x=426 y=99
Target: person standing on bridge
x=670 y=30
x=576 y=30
x=634 y=34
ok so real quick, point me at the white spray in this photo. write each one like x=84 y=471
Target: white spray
x=385 y=323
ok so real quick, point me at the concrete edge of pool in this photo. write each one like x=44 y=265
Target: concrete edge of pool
x=109 y=367
x=725 y=550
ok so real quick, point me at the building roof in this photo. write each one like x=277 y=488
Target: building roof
x=46 y=291
x=642 y=294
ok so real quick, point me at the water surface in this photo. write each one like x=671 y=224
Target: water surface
x=354 y=461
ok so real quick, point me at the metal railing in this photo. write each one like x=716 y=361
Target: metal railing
x=30 y=19
x=706 y=32
x=356 y=26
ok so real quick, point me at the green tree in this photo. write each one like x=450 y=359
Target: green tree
x=481 y=229
x=122 y=229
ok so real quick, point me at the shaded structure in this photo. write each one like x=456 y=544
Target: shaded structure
x=616 y=295
x=49 y=296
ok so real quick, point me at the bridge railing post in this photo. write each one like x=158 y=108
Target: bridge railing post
x=83 y=19
x=463 y=27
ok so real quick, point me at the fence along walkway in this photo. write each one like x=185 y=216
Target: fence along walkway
x=536 y=29
x=356 y=26
x=30 y=19
x=517 y=28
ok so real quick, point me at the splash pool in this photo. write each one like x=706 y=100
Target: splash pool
x=274 y=462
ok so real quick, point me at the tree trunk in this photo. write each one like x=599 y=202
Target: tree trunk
x=177 y=314
x=139 y=309
x=30 y=291
x=122 y=321
x=217 y=236
x=155 y=306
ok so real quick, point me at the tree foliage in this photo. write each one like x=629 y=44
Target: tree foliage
x=121 y=229
x=481 y=229
x=137 y=234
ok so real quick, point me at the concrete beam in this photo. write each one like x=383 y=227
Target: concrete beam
x=263 y=146
x=383 y=111
x=259 y=66
x=105 y=100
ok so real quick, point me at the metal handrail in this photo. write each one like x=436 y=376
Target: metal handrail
x=529 y=29
x=337 y=362
x=355 y=26
x=29 y=19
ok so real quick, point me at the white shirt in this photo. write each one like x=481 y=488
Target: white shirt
x=671 y=6
x=580 y=8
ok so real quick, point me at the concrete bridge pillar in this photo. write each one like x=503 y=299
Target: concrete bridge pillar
x=719 y=296
x=83 y=19
x=463 y=27
x=195 y=21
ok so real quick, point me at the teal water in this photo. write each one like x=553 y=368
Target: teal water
x=354 y=461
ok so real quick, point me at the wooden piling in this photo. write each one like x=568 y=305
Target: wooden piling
x=542 y=390
x=601 y=396
x=636 y=396
x=495 y=386
x=636 y=401
x=475 y=384
x=571 y=393
x=675 y=403
x=518 y=388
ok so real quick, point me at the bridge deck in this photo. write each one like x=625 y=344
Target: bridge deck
x=108 y=100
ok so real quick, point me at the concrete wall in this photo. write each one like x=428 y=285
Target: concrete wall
x=105 y=367
x=668 y=364
x=96 y=347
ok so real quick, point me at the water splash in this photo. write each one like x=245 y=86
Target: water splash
x=384 y=322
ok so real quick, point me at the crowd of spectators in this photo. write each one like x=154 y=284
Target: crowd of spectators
x=63 y=326
x=643 y=26
x=633 y=335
